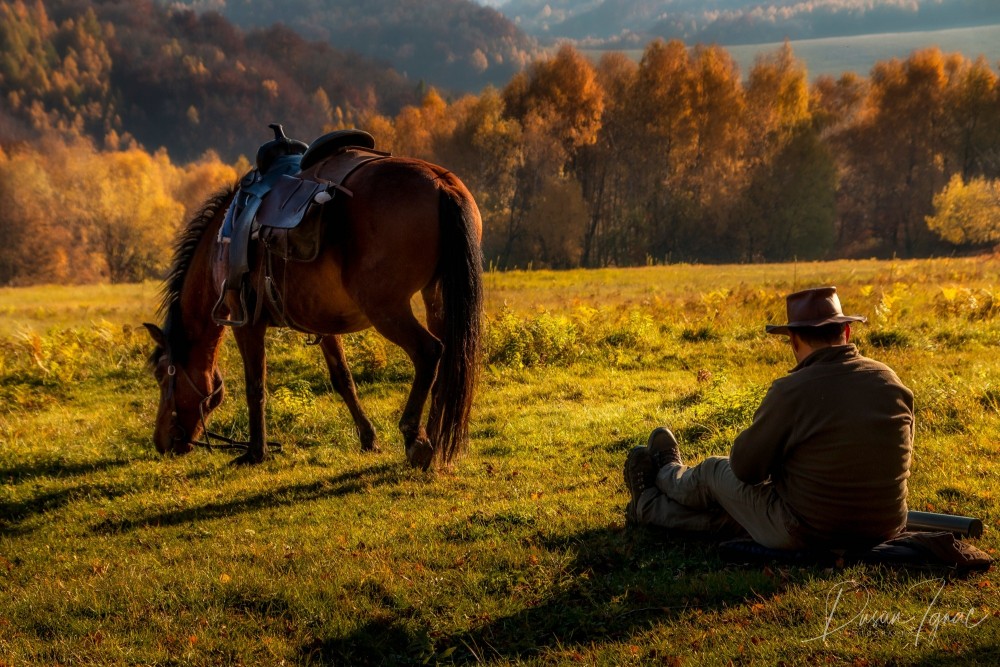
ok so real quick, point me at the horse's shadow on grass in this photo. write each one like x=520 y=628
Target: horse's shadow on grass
x=16 y=515
x=54 y=467
x=621 y=581
x=346 y=483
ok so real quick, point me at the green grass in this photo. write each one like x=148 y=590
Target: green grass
x=111 y=554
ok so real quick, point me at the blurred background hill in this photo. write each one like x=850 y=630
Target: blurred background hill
x=454 y=44
x=730 y=22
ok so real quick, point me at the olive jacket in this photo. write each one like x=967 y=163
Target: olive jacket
x=835 y=438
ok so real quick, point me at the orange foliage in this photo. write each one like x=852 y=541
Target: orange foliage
x=77 y=214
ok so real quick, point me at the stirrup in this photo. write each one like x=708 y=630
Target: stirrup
x=242 y=317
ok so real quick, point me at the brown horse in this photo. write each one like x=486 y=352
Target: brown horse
x=408 y=226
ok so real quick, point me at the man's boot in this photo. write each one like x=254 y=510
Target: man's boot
x=640 y=474
x=663 y=448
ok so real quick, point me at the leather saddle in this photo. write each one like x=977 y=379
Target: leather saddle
x=274 y=198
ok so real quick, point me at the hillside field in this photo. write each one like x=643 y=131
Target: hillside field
x=111 y=554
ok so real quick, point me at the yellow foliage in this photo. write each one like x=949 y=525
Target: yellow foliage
x=967 y=212
x=80 y=214
x=194 y=183
x=564 y=91
x=778 y=92
x=382 y=129
x=418 y=128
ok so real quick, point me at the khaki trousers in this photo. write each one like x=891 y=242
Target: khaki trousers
x=709 y=498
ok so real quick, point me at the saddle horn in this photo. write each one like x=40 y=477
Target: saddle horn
x=278 y=147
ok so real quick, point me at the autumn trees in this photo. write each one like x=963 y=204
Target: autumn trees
x=74 y=214
x=967 y=212
x=559 y=107
x=674 y=156
x=680 y=157
x=54 y=76
x=145 y=73
x=921 y=121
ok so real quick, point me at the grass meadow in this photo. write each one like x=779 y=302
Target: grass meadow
x=113 y=555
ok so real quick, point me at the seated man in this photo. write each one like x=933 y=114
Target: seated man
x=824 y=463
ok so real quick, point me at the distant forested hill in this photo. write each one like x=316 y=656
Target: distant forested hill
x=621 y=22
x=113 y=69
x=454 y=44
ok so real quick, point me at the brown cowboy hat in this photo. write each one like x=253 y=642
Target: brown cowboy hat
x=813 y=308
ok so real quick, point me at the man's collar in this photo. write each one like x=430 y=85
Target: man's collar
x=827 y=354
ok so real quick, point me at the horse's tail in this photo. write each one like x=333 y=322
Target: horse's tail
x=460 y=270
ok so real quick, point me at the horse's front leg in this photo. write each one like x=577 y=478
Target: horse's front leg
x=343 y=382
x=250 y=340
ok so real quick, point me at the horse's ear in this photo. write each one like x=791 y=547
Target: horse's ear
x=158 y=336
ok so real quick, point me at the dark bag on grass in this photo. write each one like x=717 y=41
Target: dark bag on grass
x=941 y=548
x=917 y=549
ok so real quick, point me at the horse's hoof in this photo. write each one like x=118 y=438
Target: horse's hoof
x=180 y=449
x=246 y=459
x=420 y=454
x=370 y=445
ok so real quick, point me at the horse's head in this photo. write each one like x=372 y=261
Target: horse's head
x=189 y=391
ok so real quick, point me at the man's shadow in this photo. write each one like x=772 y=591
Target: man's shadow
x=618 y=580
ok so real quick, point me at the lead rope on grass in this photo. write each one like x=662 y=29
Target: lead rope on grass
x=227 y=443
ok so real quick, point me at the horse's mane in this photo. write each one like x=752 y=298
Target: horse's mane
x=184 y=248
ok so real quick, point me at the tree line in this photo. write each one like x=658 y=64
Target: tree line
x=676 y=157
x=680 y=157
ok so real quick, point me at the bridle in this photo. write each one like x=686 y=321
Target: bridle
x=177 y=432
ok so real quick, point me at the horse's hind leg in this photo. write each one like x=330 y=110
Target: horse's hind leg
x=340 y=376
x=434 y=308
x=402 y=328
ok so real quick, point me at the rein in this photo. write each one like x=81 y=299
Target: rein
x=178 y=433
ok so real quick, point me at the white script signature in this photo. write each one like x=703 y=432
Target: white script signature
x=924 y=627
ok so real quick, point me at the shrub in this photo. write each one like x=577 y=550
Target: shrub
x=368 y=354
x=973 y=304
x=701 y=334
x=990 y=399
x=636 y=329
x=518 y=343
x=888 y=338
x=289 y=402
